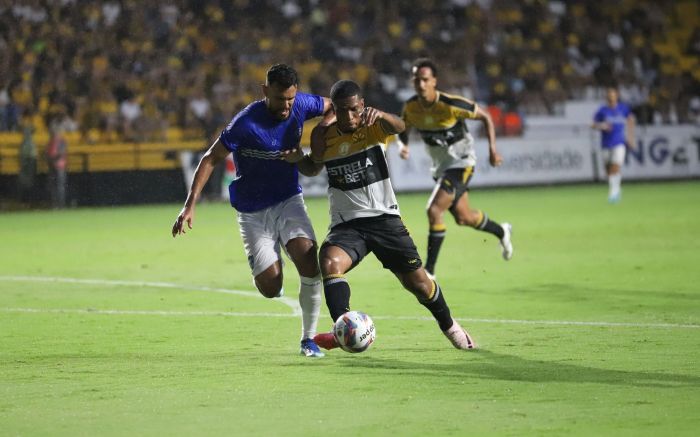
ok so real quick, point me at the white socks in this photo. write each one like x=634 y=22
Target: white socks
x=614 y=182
x=310 y=302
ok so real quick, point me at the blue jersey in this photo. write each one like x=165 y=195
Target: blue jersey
x=256 y=137
x=617 y=118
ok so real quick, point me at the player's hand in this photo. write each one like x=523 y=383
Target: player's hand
x=292 y=156
x=318 y=142
x=631 y=144
x=370 y=115
x=404 y=153
x=185 y=216
x=328 y=119
x=495 y=159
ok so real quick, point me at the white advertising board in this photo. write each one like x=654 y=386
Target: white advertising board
x=524 y=162
x=560 y=156
x=663 y=152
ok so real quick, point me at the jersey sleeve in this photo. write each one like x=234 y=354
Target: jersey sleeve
x=229 y=137
x=599 y=116
x=377 y=134
x=311 y=105
x=626 y=110
x=404 y=115
x=463 y=109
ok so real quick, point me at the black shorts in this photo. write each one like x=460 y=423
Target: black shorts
x=456 y=181
x=385 y=235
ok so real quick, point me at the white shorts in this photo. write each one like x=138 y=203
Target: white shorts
x=614 y=155
x=264 y=231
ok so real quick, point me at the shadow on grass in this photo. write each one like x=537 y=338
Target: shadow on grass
x=484 y=364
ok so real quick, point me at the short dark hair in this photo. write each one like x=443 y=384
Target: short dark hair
x=344 y=89
x=282 y=75
x=424 y=63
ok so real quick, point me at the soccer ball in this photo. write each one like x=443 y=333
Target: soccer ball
x=354 y=331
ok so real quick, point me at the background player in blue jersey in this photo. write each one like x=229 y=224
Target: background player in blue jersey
x=613 y=119
x=266 y=192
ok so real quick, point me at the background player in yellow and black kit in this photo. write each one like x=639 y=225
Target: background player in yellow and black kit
x=439 y=118
x=364 y=212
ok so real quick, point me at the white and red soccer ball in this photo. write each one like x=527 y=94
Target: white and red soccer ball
x=354 y=331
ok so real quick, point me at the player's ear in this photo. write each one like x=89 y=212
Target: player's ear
x=265 y=89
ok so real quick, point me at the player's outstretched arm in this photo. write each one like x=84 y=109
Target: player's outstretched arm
x=631 y=138
x=327 y=109
x=292 y=156
x=404 y=152
x=392 y=124
x=601 y=126
x=495 y=158
x=216 y=153
x=312 y=164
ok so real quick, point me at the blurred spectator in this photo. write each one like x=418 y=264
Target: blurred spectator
x=56 y=158
x=107 y=111
x=529 y=56
x=152 y=126
x=8 y=112
x=200 y=112
x=130 y=114
x=27 y=158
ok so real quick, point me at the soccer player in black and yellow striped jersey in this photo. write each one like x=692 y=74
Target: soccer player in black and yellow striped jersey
x=365 y=216
x=440 y=118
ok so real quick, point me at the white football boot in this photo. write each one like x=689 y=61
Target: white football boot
x=459 y=338
x=506 y=244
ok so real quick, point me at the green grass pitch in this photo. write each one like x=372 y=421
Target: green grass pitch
x=109 y=326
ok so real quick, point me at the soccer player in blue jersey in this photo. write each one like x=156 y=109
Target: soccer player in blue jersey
x=613 y=119
x=266 y=192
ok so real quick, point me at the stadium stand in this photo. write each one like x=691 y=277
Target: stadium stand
x=168 y=75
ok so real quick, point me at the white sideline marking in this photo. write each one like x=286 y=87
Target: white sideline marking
x=287 y=301
x=239 y=314
x=140 y=312
x=292 y=303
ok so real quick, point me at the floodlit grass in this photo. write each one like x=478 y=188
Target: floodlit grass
x=112 y=327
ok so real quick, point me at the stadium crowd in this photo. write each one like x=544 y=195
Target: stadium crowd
x=133 y=70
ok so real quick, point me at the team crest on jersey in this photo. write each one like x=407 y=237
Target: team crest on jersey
x=358 y=136
x=343 y=148
x=428 y=119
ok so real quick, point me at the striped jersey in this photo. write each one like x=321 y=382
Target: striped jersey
x=442 y=128
x=256 y=138
x=358 y=174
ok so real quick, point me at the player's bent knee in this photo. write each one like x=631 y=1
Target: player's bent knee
x=419 y=285
x=269 y=285
x=301 y=245
x=329 y=265
x=434 y=213
x=422 y=290
x=307 y=265
x=269 y=291
x=471 y=220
